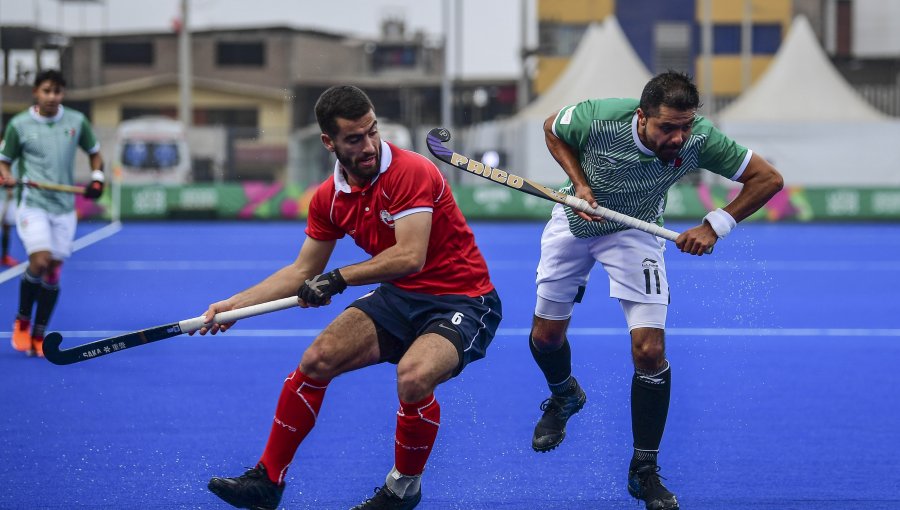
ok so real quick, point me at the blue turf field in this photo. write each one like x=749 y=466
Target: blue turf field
x=785 y=346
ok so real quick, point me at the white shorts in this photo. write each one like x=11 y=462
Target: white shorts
x=633 y=260
x=42 y=231
x=7 y=209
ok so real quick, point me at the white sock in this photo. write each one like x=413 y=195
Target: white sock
x=402 y=485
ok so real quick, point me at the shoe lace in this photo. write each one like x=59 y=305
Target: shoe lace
x=379 y=494
x=249 y=480
x=649 y=477
x=562 y=407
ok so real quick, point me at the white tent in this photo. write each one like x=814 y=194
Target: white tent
x=804 y=117
x=603 y=65
x=800 y=85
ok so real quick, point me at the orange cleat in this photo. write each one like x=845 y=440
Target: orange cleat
x=37 y=345
x=8 y=261
x=21 y=335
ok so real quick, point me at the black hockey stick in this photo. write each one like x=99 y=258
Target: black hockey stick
x=113 y=344
x=438 y=136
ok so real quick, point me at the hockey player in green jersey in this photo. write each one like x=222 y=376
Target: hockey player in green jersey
x=625 y=154
x=42 y=141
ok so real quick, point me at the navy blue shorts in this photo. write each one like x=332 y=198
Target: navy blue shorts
x=401 y=316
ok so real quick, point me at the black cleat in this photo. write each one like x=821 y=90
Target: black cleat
x=251 y=490
x=384 y=499
x=551 y=428
x=644 y=484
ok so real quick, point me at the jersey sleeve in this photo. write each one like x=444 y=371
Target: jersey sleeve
x=11 y=146
x=88 y=141
x=573 y=123
x=412 y=189
x=319 y=224
x=724 y=156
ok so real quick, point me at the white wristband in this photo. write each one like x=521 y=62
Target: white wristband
x=720 y=221
x=97 y=175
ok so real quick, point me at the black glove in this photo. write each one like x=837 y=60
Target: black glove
x=320 y=289
x=95 y=188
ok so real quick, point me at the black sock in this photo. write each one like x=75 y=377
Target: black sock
x=46 y=302
x=29 y=288
x=556 y=366
x=649 y=408
x=4 y=243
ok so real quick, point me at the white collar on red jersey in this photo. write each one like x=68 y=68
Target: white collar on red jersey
x=36 y=115
x=340 y=182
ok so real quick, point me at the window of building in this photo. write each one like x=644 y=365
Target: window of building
x=726 y=39
x=251 y=54
x=229 y=117
x=133 y=112
x=766 y=39
x=128 y=53
x=672 y=42
x=559 y=40
x=394 y=56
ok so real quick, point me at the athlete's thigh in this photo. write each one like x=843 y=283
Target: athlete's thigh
x=62 y=234
x=634 y=262
x=34 y=229
x=349 y=342
x=566 y=261
x=433 y=358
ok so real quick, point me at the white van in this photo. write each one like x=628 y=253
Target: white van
x=153 y=150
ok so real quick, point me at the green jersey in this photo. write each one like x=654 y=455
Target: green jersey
x=625 y=175
x=44 y=150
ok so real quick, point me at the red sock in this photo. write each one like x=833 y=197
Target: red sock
x=417 y=428
x=295 y=416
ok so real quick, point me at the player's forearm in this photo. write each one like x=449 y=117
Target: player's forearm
x=567 y=159
x=757 y=191
x=391 y=264
x=280 y=284
x=96 y=161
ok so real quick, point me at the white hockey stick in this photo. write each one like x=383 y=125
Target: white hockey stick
x=438 y=136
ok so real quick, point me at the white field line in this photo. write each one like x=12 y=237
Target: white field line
x=80 y=243
x=692 y=332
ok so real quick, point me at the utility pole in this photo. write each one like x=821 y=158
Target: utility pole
x=706 y=43
x=446 y=84
x=185 y=108
x=522 y=95
x=747 y=45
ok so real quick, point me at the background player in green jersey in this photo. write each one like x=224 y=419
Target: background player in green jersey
x=7 y=220
x=42 y=141
x=625 y=154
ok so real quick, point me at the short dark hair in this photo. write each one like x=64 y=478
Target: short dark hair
x=344 y=101
x=51 y=75
x=671 y=88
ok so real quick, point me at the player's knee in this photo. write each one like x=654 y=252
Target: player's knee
x=649 y=359
x=648 y=348
x=38 y=264
x=547 y=335
x=318 y=363
x=413 y=383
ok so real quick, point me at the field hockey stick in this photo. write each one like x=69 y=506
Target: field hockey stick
x=438 y=136
x=49 y=186
x=113 y=344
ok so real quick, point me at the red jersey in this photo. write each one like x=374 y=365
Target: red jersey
x=407 y=183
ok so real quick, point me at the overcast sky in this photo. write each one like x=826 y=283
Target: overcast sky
x=490 y=31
